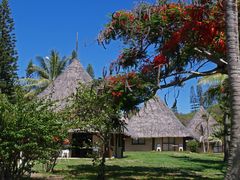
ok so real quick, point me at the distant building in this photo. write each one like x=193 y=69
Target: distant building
x=202 y=127
x=60 y=90
x=155 y=126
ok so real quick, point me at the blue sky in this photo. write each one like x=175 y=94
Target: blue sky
x=42 y=25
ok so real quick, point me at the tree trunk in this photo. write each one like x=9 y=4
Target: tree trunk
x=101 y=169
x=208 y=144
x=226 y=137
x=204 y=148
x=233 y=169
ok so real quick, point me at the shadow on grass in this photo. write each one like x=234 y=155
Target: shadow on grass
x=193 y=168
x=203 y=163
x=131 y=172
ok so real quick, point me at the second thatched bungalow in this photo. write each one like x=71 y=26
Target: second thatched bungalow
x=60 y=90
x=155 y=127
x=203 y=126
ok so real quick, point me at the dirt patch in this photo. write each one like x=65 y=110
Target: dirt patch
x=46 y=177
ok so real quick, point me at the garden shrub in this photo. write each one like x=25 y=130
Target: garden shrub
x=192 y=145
x=27 y=131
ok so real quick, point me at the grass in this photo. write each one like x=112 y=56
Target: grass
x=147 y=165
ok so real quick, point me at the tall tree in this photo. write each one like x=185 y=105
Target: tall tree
x=217 y=93
x=93 y=109
x=231 y=14
x=160 y=49
x=90 y=70
x=8 y=54
x=200 y=95
x=185 y=38
x=193 y=100
x=40 y=75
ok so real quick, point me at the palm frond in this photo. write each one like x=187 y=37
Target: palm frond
x=40 y=83
x=43 y=63
x=39 y=71
x=44 y=72
x=29 y=68
x=213 y=79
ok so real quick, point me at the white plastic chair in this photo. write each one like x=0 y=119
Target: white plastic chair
x=180 y=147
x=159 y=147
x=65 y=153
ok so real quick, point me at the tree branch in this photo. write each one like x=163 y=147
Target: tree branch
x=193 y=74
x=220 y=62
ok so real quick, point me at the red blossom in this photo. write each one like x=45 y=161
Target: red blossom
x=220 y=46
x=131 y=17
x=159 y=60
x=145 y=17
x=117 y=94
x=117 y=14
x=66 y=141
x=56 y=139
x=122 y=23
x=146 y=69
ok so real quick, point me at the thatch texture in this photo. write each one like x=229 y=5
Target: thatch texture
x=66 y=84
x=154 y=120
x=202 y=125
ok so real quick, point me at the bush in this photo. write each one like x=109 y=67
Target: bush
x=27 y=129
x=192 y=145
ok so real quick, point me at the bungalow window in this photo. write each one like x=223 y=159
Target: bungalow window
x=217 y=147
x=168 y=143
x=138 y=141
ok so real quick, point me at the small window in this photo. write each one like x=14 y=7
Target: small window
x=171 y=140
x=138 y=141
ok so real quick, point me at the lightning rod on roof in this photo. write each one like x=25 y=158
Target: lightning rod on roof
x=77 y=44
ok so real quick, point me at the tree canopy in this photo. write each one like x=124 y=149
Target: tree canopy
x=29 y=132
x=167 y=44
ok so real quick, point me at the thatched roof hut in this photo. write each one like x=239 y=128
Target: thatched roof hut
x=202 y=125
x=66 y=83
x=154 y=120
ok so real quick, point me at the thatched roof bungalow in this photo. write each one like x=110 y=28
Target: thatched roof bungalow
x=155 y=125
x=66 y=84
x=60 y=90
x=202 y=125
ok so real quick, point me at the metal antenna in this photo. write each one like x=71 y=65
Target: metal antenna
x=77 y=44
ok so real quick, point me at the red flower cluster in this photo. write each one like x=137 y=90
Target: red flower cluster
x=172 y=43
x=56 y=139
x=120 y=79
x=66 y=142
x=117 y=83
x=159 y=60
x=198 y=29
x=117 y=94
x=146 y=69
x=123 y=17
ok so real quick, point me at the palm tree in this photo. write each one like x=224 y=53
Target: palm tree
x=40 y=75
x=219 y=90
x=231 y=15
x=217 y=84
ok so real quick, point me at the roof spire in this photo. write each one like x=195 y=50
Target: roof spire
x=75 y=51
x=77 y=44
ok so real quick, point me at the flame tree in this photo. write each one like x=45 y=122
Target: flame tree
x=167 y=44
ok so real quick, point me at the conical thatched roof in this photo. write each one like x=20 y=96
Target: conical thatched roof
x=202 y=124
x=155 y=120
x=66 y=83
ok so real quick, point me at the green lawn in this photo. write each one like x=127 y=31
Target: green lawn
x=148 y=165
